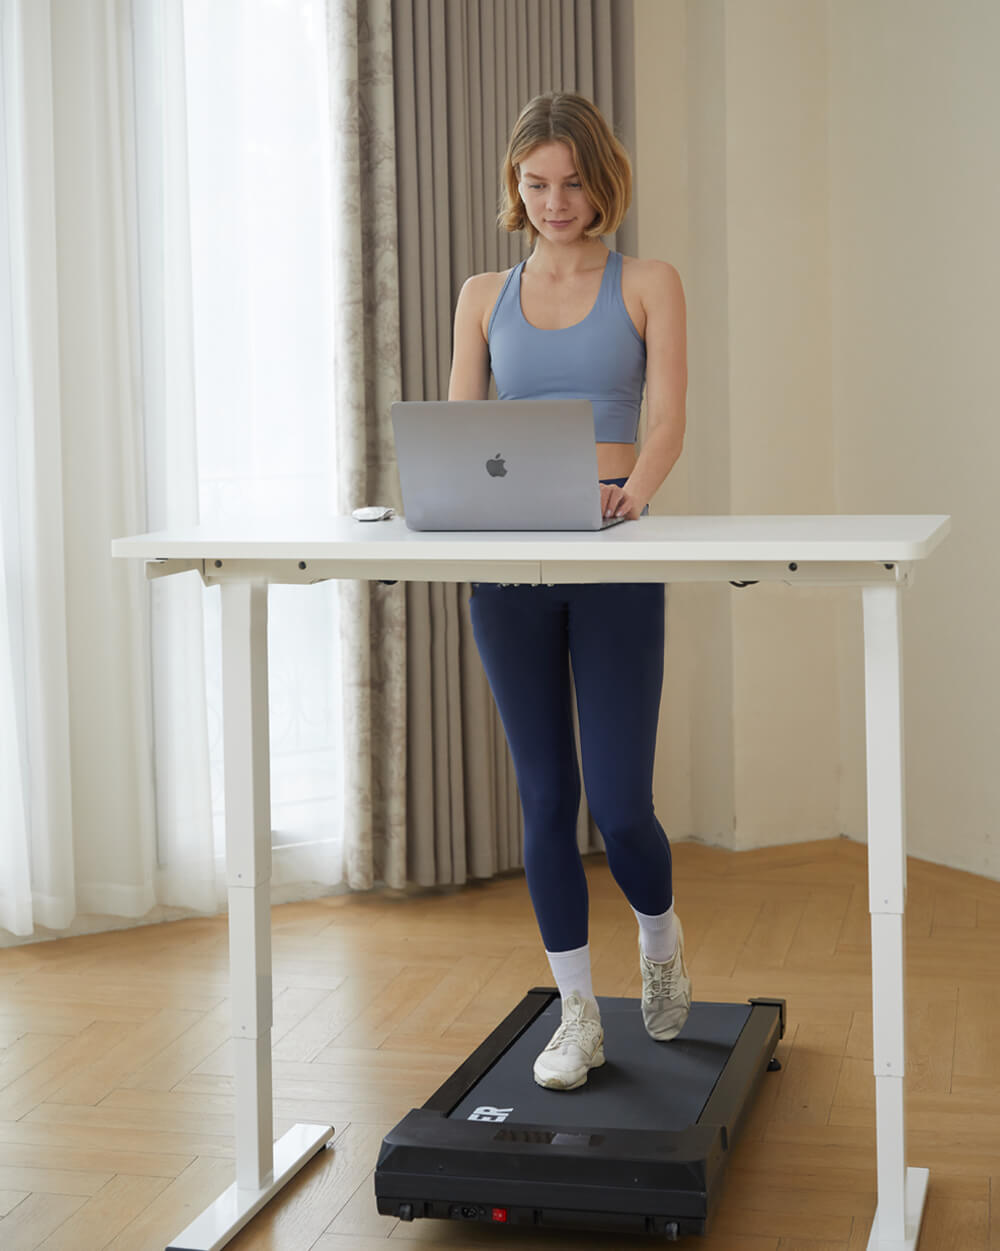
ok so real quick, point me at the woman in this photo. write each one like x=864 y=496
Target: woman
x=576 y=320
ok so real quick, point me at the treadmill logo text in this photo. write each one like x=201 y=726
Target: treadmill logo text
x=490 y=1114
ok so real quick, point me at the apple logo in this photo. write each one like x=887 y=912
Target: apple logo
x=496 y=467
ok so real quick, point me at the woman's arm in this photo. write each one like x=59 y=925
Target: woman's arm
x=666 y=385
x=470 y=361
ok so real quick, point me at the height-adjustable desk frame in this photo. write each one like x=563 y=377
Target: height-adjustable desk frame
x=875 y=553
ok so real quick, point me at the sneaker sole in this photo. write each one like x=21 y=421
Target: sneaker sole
x=559 y=1082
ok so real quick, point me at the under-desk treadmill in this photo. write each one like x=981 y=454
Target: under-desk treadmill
x=640 y=1148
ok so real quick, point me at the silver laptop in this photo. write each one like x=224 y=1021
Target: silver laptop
x=498 y=465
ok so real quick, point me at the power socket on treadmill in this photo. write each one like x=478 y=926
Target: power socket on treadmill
x=464 y=1212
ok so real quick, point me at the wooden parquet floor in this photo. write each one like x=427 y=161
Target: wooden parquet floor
x=115 y=1081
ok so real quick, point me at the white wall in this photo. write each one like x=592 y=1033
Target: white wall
x=915 y=207
x=661 y=207
x=831 y=202
x=758 y=665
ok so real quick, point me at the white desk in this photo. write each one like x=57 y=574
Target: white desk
x=875 y=553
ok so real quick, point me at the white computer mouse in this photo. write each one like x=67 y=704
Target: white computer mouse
x=373 y=512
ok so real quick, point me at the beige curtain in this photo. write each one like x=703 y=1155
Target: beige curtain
x=463 y=69
x=367 y=366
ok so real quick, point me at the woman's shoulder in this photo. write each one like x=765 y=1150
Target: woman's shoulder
x=652 y=282
x=481 y=286
x=482 y=291
x=649 y=272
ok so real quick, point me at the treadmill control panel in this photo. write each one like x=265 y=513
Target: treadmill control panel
x=546 y=1137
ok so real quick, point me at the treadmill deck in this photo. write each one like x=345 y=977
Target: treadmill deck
x=640 y=1148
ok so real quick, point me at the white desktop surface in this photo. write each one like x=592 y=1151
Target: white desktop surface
x=762 y=538
x=875 y=553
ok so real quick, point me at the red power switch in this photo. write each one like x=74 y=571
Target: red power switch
x=500 y=1214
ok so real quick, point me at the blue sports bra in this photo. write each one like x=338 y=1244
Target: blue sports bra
x=601 y=359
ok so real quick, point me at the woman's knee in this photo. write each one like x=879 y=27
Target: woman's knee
x=639 y=858
x=617 y=802
x=551 y=811
x=628 y=828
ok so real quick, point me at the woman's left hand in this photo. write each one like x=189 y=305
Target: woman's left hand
x=616 y=502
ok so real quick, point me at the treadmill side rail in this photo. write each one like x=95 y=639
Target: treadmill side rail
x=510 y=1029
x=730 y=1101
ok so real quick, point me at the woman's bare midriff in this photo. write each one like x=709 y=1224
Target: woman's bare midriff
x=615 y=460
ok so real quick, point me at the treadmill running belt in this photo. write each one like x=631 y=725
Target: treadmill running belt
x=640 y=1086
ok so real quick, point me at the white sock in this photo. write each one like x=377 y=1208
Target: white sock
x=571 y=969
x=658 y=935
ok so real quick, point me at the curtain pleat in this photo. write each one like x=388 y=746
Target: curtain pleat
x=407 y=165
x=462 y=72
x=420 y=753
x=585 y=48
x=456 y=86
x=487 y=135
x=520 y=42
x=569 y=43
x=533 y=57
x=367 y=372
x=440 y=275
x=616 y=87
x=476 y=176
x=550 y=51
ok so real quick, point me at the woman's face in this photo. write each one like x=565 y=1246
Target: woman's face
x=552 y=194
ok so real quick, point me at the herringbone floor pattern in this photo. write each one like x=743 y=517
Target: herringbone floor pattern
x=115 y=1087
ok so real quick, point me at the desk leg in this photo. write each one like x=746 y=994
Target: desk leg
x=901 y=1190
x=262 y=1165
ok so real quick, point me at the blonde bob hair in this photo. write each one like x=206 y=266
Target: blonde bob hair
x=598 y=157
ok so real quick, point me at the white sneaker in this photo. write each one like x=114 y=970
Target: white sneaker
x=666 y=993
x=575 y=1047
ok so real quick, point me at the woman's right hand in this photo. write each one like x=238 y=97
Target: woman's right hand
x=616 y=502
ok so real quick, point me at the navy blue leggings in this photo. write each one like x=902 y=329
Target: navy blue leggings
x=613 y=634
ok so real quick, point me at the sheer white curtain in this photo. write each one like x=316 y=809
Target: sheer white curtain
x=75 y=630
x=189 y=869
x=15 y=913
x=165 y=281
x=261 y=258
x=37 y=859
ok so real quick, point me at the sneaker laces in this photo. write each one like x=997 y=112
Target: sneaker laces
x=662 y=978
x=576 y=1030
